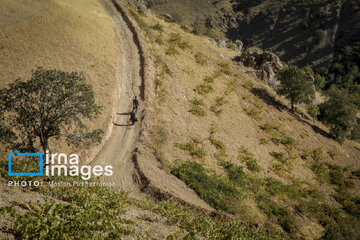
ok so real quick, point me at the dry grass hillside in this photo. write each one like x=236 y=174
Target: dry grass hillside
x=62 y=34
x=234 y=141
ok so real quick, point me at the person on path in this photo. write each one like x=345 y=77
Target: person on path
x=133 y=116
x=136 y=103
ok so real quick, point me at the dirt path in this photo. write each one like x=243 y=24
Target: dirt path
x=118 y=149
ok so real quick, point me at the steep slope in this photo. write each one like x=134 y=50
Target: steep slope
x=212 y=119
x=300 y=32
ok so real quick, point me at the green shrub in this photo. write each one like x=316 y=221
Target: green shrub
x=209 y=79
x=320 y=170
x=269 y=127
x=264 y=141
x=197 y=107
x=332 y=153
x=280 y=156
x=192 y=148
x=171 y=51
x=225 y=68
x=248 y=84
x=175 y=38
x=356 y=173
x=306 y=154
x=235 y=173
x=204 y=88
x=216 y=110
x=167 y=69
x=200 y=58
x=317 y=154
x=275 y=187
x=231 y=86
x=254 y=113
x=157 y=27
x=282 y=138
x=219 y=145
x=159 y=40
x=248 y=158
x=91 y=213
x=214 y=189
x=184 y=45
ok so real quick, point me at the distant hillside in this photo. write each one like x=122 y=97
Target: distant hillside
x=301 y=32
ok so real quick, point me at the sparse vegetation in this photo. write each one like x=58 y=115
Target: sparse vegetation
x=157 y=27
x=248 y=84
x=200 y=58
x=203 y=88
x=197 y=107
x=253 y=113
x=249 y=159
x=192 y=148
x=171 y=51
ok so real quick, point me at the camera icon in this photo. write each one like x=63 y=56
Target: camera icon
x=16 y=153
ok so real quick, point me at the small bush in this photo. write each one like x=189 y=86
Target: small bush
x=184 y=45
x=204 y=88
x=225 y=68
x=192 y=148
x=317 y=154
x=332 y=153
x=175 y=38
x=280 y=156
x=269 y=127
x=264 y=141
x=231 y=86
x=248 y=84
x=171 y=51
x=209 y=79
x=254 y=113
x=356 y=173
x=167 y=69
x=320 y=170
x=306 y=154
x=216 y=110
x=157 y=27
x=200 y=58
x=197 y=107
x=214 y=189
x=248 y=158
x=218 y=144
x=159 y=40
x=235 y=173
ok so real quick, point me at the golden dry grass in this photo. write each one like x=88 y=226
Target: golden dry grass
x=62 y=34
x=237 y=125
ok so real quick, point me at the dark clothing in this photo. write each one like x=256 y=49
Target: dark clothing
x=136 y=102
x=133 y=117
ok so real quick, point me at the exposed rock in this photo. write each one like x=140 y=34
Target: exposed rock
x=222 y=44
x=266 y=65
x=168 y=17
x=239 y=46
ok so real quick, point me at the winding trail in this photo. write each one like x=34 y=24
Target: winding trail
x=117 y=150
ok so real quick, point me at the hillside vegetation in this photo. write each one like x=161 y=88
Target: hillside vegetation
x=236 y=143
x=267 y=172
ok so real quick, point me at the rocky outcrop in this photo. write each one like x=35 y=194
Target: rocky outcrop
x=265 y=65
